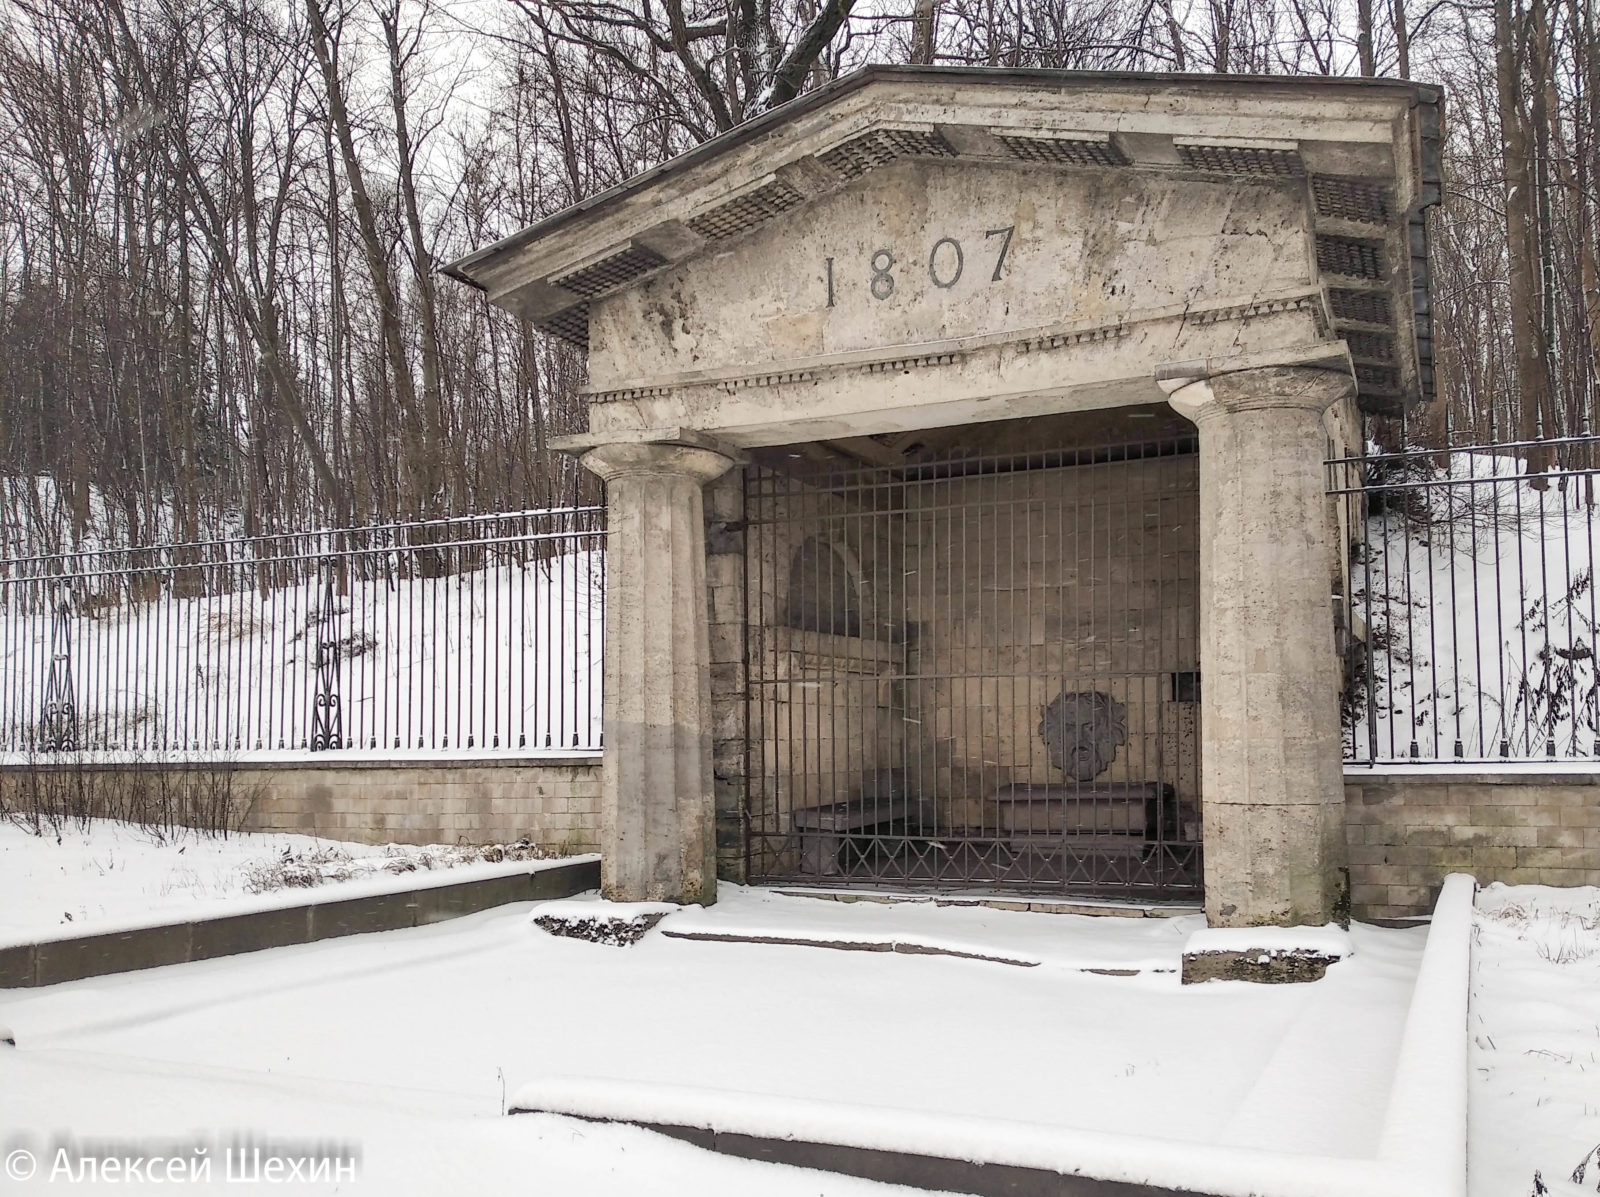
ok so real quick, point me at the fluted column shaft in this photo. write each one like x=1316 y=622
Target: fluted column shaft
x=1272 y=793
x=657 y=819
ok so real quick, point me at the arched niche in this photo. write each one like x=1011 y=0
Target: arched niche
x=824 y=591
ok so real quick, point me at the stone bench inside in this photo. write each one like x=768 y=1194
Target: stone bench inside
x=1029 y=816
x=1132 y=808
x=824 y=828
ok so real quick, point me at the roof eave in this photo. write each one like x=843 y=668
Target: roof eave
x=1425 y=96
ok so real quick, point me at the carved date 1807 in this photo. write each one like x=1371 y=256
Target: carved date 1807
x=947 y=261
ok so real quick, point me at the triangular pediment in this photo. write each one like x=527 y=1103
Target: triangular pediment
x=875 y=211
x=925 y=251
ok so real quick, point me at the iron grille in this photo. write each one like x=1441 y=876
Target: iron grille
x=1069 y=151
x=1347 y=199
x=1371 y=347
x=1471 y=618
x=1350 y=256
x=1382 y=380
x=1241 y=159
x=882 y=146
x=570 y=324
x=611 y=272
x=473 y=632
x=978 y=674
x=746 y=211
x=1366 y=307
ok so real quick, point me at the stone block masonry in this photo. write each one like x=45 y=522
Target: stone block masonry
x=554 y=802
x=1406 y=831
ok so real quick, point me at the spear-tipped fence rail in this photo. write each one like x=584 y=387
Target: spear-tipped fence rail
x=1469 y=629
x=480 y=632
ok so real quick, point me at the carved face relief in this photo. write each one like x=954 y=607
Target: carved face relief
x=1082 y=732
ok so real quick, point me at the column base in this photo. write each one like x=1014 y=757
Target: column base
x=1275 y=866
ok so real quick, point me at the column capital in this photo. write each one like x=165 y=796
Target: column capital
x=624 y=460
x=1305 y=388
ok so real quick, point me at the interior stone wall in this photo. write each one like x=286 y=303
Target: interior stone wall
x=981 y=599
x=1044 y=581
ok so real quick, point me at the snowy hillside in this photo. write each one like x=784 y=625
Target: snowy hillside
x=1477 y=592
x=504 y=656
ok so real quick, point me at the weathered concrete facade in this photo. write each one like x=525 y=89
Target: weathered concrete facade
x=914 y=249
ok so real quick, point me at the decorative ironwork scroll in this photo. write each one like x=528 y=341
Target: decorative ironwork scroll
x=58 y=720
x=327 y=718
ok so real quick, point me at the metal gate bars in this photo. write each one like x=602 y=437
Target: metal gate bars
x=977 y=674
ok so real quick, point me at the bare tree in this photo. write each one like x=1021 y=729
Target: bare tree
x=220 y=224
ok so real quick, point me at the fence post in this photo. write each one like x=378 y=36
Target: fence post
x=58 y=721
x=327 y=720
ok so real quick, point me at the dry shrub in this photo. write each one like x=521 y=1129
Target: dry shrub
x=166 y=799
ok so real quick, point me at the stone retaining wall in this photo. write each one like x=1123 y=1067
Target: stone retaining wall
x=554 y=802
x=321 y=916
x=1406 y=831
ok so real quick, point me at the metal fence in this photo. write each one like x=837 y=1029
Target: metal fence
x=481 y=632
x=1471 y=609
x=1471 y=623
x=977 y=672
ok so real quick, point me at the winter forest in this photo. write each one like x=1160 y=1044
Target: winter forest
x=221 y=221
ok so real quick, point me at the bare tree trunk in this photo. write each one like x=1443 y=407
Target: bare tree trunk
x=1364 y=55
x=1543 y=108
x=923 y=22
x=419 y=464
x=1175 y=35
x=1222 y=35
x=258 y=311
x=1402 y=39
x=1587 y=168
x=434 y=429
x=1521 y=247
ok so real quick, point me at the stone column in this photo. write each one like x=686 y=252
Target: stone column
x=657 y=819
x=1272 y=791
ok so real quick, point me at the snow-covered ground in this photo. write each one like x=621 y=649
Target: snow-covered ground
x=406 y=1142
x=1535 y=1042
x=106 y=875
x=408 y=1043
x=406 y=1047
